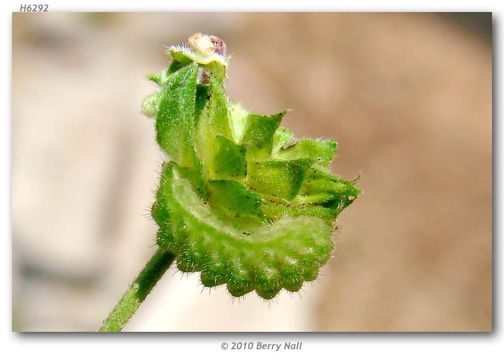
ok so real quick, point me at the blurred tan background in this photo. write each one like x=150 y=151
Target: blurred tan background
x=408 y=96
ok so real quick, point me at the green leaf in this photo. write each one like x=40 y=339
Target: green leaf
x=236 y=201
x=329 y=190
x=229 y=160
x=258 y=134
x=280 y=179
x=321 y=151
x=175 y=119
x=275 y=210
x=217 y=116
x=212 y=121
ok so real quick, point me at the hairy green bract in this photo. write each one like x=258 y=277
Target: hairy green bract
x=241 y=200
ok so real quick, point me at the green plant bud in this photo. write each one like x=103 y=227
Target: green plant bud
x=240 y=200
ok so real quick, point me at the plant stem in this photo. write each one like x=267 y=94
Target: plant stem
x=138 y=291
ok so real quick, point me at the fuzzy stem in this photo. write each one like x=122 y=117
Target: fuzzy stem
x=138 y=291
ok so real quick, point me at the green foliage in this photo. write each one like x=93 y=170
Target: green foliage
x=240 y=200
